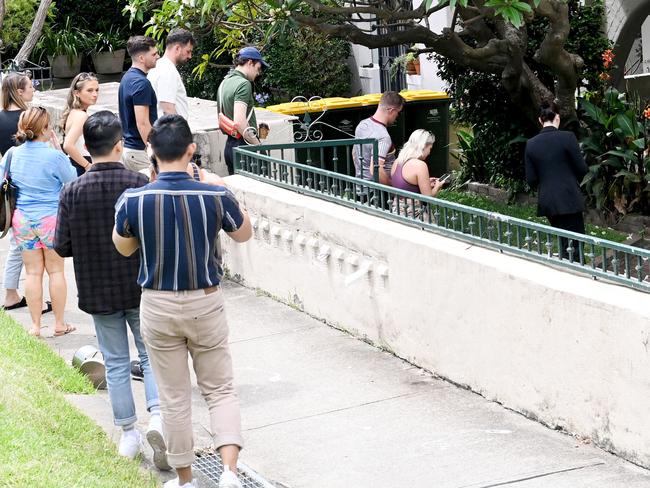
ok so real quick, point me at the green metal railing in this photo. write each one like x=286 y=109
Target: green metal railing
x=599 y=258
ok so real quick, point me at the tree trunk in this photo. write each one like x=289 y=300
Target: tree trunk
x=34 y=33
x=3 y=10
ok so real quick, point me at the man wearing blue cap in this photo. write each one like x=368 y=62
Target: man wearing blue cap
x=235 y=98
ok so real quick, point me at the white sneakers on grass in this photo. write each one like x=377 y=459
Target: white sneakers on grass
x=157 y=442
x=229 y=479
x=130 y=444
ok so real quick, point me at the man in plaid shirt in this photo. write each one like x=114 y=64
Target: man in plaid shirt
x=107 y=281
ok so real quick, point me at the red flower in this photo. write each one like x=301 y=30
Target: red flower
x=604 y=76
x=608 y=58
x=646 y=113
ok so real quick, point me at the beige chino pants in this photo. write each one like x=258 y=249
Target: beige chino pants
x=174 y=324
x=135 y=159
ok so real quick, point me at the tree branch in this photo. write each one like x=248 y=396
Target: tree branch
x=34 y=33
x=379 y=12
x=552 y=53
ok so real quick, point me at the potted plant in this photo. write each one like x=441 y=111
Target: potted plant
x=412 y=64
x=409 y=62
x=63 y=45
x=107 y=51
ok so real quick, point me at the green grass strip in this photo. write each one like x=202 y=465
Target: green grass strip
x=524 y=212
x=45 y=442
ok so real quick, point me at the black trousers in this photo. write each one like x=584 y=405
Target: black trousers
x=80 y=169
x=231 y=143
x=573 y=222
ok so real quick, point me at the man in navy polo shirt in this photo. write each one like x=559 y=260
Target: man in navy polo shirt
x=175 y=222
x=138 y=102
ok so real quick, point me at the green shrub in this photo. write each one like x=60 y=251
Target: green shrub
x=306 y=63
x=18 y=21
x=207 y=83
x=96 y=15
x=619 y=173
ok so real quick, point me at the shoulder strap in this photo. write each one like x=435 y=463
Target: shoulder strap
x=196 y=172
x=8 y=162
x=220 y=97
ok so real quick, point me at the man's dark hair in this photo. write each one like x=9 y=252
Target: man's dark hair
x=139 y=44
x=391 y=99
x=169 y=137
x=548 y=110
x=102 y=131
x=241 y=61
x=180 y=36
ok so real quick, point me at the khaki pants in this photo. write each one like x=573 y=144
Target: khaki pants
x=173 y=324
x=135 y=159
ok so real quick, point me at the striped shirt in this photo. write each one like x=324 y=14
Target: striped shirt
x=177 y=221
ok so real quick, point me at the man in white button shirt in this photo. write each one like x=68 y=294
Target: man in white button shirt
x=165 y=78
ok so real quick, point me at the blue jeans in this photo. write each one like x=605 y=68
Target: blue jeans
x=13 y=264
x=112 y=336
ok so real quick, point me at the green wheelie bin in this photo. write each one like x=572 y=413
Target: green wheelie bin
x=429 y=110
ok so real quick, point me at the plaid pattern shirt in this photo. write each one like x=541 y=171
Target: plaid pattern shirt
x=106 y=280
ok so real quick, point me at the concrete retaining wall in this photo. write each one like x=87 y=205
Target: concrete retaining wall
x=562 y=349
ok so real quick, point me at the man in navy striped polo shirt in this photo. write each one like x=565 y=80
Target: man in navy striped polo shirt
x=175 y=222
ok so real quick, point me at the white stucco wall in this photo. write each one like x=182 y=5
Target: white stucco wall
x=427 y=80
x=645 y=40
x=561 y=348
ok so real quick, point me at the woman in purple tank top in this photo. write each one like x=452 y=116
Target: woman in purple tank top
x=411 y=173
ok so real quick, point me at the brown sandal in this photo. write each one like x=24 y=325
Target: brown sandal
x=68 y=328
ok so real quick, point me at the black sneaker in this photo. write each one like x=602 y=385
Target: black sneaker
x=136 y=371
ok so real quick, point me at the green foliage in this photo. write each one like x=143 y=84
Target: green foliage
x=18 y=20
x=204 y=72
x=306 y=63
x=489 y=156
x=108 y=41
x=62 y=40
x=96 y=15
x=500 y=127
x=617 y=182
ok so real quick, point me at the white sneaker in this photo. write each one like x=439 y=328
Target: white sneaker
x=229 y=479
x=157 y=442
x=174 y=484
x=130 y=444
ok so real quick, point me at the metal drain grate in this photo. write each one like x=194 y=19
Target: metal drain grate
x=209 y=463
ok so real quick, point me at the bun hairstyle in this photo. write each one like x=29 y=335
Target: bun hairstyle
x=548 y=110
x=32 y=123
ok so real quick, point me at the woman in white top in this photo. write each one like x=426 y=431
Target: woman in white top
x=83 y=93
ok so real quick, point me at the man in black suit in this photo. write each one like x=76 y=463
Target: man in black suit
x=555 y=165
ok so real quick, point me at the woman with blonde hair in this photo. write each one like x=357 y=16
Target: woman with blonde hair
x=83 y=93
x=411 y=173
x=17 y=92
x=39 y=172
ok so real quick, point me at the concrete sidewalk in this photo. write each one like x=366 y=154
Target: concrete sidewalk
x=323 y=410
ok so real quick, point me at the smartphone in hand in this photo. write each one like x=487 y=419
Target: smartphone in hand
x=445 y=178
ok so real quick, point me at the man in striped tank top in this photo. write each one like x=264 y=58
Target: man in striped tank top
x=175 y=223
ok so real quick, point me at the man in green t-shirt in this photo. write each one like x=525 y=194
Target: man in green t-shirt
x=235 y=98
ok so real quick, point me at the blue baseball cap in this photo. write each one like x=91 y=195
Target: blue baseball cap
x=252 y=53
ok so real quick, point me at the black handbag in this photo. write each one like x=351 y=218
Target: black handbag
x=8 y=193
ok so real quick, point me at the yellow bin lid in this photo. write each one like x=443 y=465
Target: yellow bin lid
x=289 y=108
x=365 y=100
x=410 y=95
